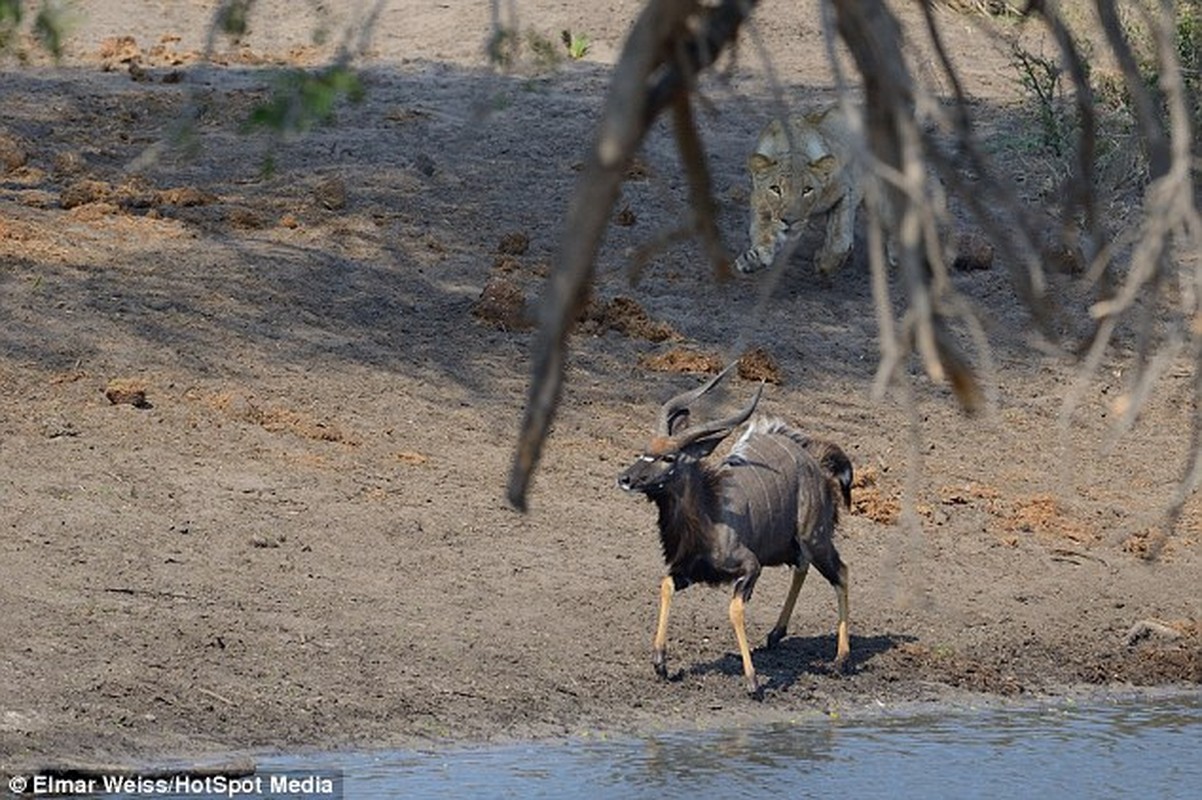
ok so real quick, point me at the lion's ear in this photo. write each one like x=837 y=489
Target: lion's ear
x=759 y=163
x=825 y=166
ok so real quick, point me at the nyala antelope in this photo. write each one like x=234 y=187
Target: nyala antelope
x=773 y=501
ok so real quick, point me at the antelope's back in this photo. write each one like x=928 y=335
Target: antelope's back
x=774 y=489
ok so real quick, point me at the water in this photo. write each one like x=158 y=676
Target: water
x=1146 y=749
x=1150 y=750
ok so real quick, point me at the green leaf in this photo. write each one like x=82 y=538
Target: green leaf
x=233 y=17
x=302 y=99
x=10 y=13
x=48 y=29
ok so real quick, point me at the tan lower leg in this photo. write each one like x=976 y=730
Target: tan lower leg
x=667 y=587
x=843 y=648
x=736 y=619
x=786 y=612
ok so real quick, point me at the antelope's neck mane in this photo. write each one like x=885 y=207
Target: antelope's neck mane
x=686 y=512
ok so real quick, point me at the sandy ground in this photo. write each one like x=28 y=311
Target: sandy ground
x=254 y=428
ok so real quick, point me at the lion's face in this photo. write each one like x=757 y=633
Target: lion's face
x=785 y=192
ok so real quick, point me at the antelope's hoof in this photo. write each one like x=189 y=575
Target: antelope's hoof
x=841 y=665
x=774 y=637
x=660 y=662
x=754 y=690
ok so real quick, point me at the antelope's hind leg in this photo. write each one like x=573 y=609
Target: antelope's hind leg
x=835 y=571
x=737 y=604
x=786 y=612
x=843 y=648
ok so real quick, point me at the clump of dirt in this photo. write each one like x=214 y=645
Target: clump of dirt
x=684 y=360
x=330 y=193
x=754 y=365
x=758 y=365
x=67 y=163
x=127 y=391
x=973 y=252
x=299 y=423
x=625 y=218
x=1043 y=514
x=506 y=263
x=1165 y=647
x=1060 y=256
x=502 y=304
x=636 y=170
x=1182 y=663
x=184 y=196
x=124 y=52
x=13 y=153
x=510 y=249
x=1170 y=630
x=84 y=192
x=1039 y=514
x=1147 y=544
x=244 y=218
x=132 y=194
x=514 y=243
x=971 y=493
x=118 y=50
x=276 y=419
x=627 y=317
x=868 y=499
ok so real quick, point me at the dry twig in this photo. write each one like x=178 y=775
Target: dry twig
x=671 y=42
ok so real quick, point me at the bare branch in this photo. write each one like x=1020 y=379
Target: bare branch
x=895 y=142
x=692 y=155
x=658 y=61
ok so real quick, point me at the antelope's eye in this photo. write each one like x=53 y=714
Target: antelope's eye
x=668 y=458
x=775 y=189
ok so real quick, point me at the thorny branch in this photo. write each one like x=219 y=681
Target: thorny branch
x=916 y=145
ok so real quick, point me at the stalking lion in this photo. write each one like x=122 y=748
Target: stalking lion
x=809 y=170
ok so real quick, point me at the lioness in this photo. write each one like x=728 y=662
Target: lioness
x=816 y=172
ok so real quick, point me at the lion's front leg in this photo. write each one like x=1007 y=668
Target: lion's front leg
x=768 y=237
x=840 y=231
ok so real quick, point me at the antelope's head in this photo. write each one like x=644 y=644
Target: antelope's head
x=676 y=448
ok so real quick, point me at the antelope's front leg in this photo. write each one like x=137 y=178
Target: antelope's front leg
x=667 y=588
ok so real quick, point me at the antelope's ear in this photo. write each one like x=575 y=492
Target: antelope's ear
x=704 y=446
x=678 y=422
